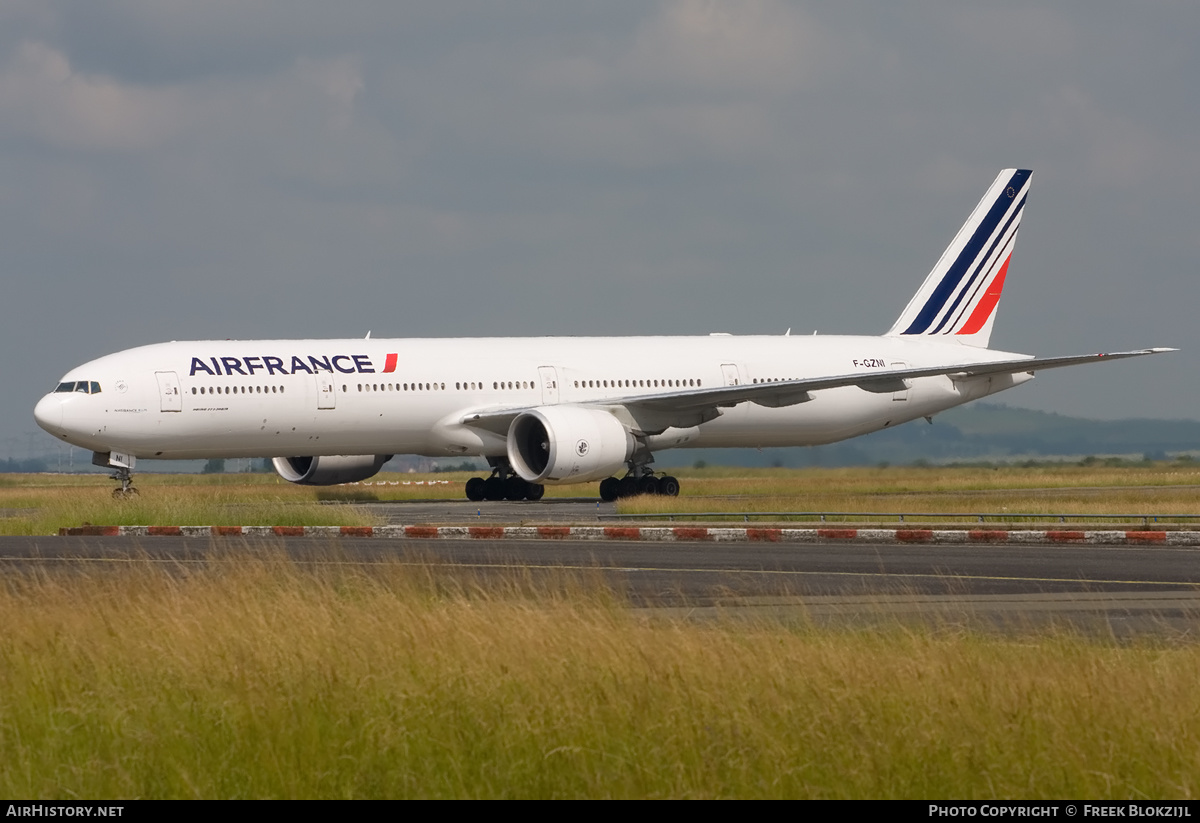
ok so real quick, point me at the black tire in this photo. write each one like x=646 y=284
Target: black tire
x=668 y=486
x=515 y=488
x=648 y=485
x=493 y=489
x=628 y=486
x=536 y=490
x=610 y=488
x=475 y=489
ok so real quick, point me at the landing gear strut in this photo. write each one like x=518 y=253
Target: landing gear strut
x=503 y=484
x=127 y=490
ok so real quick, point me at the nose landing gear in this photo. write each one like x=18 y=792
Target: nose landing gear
x=127 y=489
x=122 y=467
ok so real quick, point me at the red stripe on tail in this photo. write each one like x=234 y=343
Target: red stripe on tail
x=988 y=304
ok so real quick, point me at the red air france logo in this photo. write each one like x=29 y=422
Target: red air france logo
x=389 y=365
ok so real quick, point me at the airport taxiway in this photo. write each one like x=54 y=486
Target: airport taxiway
x=1121 y=590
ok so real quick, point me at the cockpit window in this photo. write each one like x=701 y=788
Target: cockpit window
x=85 y=386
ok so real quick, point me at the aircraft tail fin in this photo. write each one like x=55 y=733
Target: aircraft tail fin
x=959 y=296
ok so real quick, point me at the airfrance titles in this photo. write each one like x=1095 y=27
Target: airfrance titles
x=296 y=364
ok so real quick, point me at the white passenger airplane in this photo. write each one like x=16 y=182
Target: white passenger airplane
x=555 y=410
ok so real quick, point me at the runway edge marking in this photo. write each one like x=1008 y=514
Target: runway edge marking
x=660 y=534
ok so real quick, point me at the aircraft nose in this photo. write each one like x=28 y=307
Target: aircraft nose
x=49 y=414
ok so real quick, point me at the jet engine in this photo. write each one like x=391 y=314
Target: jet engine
x=329 y=470
x=567 y=444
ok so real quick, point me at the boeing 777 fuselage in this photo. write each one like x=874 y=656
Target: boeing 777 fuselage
x=554 y=410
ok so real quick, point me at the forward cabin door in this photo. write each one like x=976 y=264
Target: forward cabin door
x=548 y=377
x=326 y=392
x=170 y=400
x=730 y=372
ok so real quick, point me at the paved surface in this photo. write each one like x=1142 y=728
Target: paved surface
x=1118 y=590
x=456 y=512
x=674 y=534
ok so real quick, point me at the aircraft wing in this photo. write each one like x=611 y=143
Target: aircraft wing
x=790 y=392
x=691 y=407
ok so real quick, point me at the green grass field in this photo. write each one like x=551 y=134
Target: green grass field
x=41 y=504
x=263 y=678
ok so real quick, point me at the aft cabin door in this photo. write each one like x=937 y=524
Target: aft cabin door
x=730 y=372
x=548 y=377
x=170 y=400
x=900 y=394
x=326 y=392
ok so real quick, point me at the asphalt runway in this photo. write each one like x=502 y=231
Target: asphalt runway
x=1113 y=590
x=579 y=510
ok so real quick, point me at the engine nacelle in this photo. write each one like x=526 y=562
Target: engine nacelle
x=329 y=470
x=567 y=444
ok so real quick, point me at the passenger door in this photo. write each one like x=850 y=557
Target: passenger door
x=900 y=394
x=548 y=377
x=326 y=392
x=170 y=400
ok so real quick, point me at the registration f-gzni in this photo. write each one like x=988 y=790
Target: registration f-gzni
x=555 y=410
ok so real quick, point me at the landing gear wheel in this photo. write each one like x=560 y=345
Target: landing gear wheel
x=127 y=490
x=628 y=486
x=515 y=488
x=610 y=489
x=668 y=486
x=475 y=489
x=493 y=488
x=648 y=485
x=536 y=490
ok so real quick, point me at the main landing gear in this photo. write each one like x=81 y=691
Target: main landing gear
x=503 y=485
x=631 y=485
x=126 y=477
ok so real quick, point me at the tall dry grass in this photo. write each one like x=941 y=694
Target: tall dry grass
x=1153 y=489
x=266 y=678
x=45 y=509
x=41 y=504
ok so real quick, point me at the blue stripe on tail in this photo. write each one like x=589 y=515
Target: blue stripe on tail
x=967 y=256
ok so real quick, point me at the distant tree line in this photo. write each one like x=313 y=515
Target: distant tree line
x=31 y=466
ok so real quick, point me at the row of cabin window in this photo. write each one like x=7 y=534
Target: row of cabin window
x=461 y=386
x=404 y=386
x=773 y=379
x=524 y=384
x=637 y=384
x=240 y=390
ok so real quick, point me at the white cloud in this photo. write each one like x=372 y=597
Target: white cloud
x=759 y=47
x=302 y=122
x=41 y=96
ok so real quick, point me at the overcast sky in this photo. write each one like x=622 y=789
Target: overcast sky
x=229 y=168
